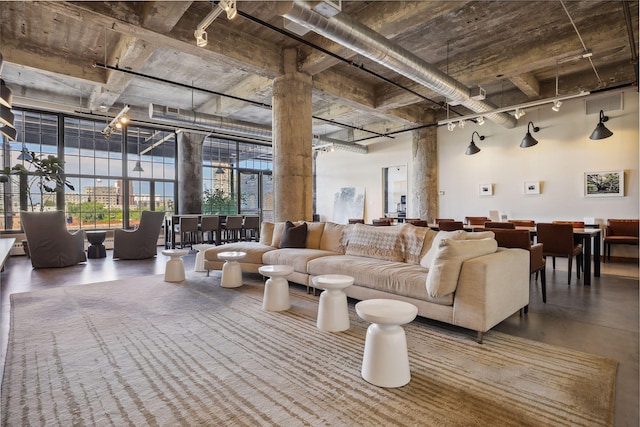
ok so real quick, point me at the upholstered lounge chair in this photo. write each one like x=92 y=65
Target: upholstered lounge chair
x=142 y=242
x=50 y=244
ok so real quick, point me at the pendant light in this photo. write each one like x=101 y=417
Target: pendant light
x=473 y=148
x=601 y=131
x=528 y=140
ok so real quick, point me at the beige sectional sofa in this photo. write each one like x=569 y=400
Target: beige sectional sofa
x=473 y=283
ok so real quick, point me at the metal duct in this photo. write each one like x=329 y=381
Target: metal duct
x=221 y=124
x=344 y=30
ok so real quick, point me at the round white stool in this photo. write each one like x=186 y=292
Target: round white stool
x=174 y=271
x=199 y=265
x=386 y=361
x=276 y=288
x=231 y=270
x=333 y=310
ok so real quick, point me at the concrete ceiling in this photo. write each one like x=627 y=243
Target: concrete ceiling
x=513 y=49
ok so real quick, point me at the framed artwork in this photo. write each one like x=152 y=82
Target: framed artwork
x=604 y=184
x=486 y=189
x=532 y=187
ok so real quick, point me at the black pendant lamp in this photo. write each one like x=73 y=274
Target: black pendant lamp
x=529 y=140
x=473 y=148
x=601 y=131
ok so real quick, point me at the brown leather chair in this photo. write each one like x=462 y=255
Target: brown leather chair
x=450 y=225
x=558 y=241
x=503 y=225
x=476 y=220
x=522 y=239
x=523 y=222
x=356 y=221
x=382 y=222
x=620 y=232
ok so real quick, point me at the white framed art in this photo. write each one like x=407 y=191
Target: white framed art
x=604 y=184
x=486 y=190
x=532 y=187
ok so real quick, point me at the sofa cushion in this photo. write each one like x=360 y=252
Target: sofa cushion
x=334 y=237
x=278 y=228
x=398 y=278
x=314 y=234
x=443 y=274
x=266 y=233
x=413 y=239
x=375 y=242
x=297 y=258
x=428 y=258
x=294 y=236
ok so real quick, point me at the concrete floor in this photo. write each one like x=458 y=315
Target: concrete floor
x=601 y=319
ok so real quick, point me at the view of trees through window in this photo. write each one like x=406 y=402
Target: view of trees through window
x=111 y=180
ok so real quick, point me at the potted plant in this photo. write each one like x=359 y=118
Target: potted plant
x=46 y=173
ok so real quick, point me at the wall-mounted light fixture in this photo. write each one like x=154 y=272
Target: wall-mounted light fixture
x=473 y=148
x=601 y=131
x=118 y=122
x=529 y=140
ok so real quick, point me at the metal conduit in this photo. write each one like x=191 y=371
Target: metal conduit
x=221 y=124
x=344 y=30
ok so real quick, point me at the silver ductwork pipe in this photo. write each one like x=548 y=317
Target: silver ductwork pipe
x=220 y=124
x=349 y=33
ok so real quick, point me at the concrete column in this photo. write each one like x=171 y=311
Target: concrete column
x=292 y=157
x=189 y=173
x=424 y=151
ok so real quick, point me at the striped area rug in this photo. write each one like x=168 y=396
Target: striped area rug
x=145 y=352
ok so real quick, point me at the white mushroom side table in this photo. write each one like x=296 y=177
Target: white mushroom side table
x=386 y=361
x=231 y=270
x=174 y=271
x=333 y=310
x=199 y=265
x=276 y=288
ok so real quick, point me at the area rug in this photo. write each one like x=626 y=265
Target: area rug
x=145 y=352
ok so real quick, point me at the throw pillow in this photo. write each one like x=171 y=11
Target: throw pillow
x=443 y=274
x=427 y=260
x=266 y=233
x=294 y=236
x=480 y=235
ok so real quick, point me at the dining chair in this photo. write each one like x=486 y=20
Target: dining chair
x=233 y=228
x=476 y=220
x=450 y=225
x=620 y=232
x=521 y=239
x=382 y=222
x=251 y=228
x=503 y=225
x=210 y=225
x=188 y=230
x=558 y=241
x=523 y=222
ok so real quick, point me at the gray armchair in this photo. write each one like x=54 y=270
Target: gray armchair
x=50 y=244
x=142 y=242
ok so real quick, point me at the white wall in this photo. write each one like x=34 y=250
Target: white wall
x=564 y=153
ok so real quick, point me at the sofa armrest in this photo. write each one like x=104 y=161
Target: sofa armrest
x=491 y=288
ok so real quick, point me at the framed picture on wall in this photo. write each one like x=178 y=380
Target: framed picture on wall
x=532 y=187
x=604 y=184
x=486 y=190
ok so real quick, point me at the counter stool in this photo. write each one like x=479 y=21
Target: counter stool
x=385 y=362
